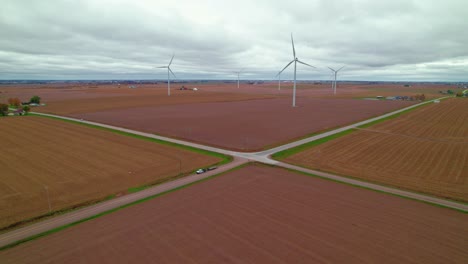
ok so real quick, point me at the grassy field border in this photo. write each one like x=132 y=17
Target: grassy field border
x=377 y=183
x=401 y=113
x=55 y=230
x=291 y=151
x=393 y=116
x=225 y=158
x=367 y=188
x=274 y=145
x=281 y=155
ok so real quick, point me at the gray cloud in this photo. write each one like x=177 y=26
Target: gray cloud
x=376 y=40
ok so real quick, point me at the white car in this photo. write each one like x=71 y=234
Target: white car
x=200 y=171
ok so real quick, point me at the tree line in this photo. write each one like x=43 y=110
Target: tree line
x=22 y=107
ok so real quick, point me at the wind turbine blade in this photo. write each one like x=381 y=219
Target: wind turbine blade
x=161 y=67
x=294 y=49
x=331 y=69
x=305 y=64
x=285 y=67
x=340 y=69
x=172 y=72
x=171 y=60
x=278 y=74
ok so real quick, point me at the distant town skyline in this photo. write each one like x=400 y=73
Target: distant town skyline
x=112 y=40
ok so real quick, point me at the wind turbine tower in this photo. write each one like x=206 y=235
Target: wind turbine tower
x=169 y=71
x=295 y=60
x=335 y=72
x=279 y=80
x=238 y=77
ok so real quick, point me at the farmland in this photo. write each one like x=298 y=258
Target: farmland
x=425 y=150
x=260 y=214
x=221 y=115
x=118 y=99
x=244 y=125
x=72 y=164
x=82 y=96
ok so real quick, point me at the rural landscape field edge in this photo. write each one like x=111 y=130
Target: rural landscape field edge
x=57 y=229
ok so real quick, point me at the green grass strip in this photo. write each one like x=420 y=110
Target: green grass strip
x=137 y=189
x=224 y=158
x=391 y=117
x=288 y=152
x=397 y=114
x=55 y=230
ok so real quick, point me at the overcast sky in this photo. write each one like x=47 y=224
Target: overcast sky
x=395 y=40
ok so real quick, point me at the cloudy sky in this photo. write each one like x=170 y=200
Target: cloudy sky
x=394 y=40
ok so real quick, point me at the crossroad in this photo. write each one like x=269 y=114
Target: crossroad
x=240 y=158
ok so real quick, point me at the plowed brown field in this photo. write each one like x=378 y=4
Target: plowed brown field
x=141 y=98
x=251 y=118
x=76 y=164
x=73 y=98
x=244 y=125
x=260 y=214
x=425 y=150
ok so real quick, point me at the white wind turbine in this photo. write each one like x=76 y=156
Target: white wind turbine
x=335 y=72
x=238 y=76
x=295 y=60
x=279 y=80
x=168 y=76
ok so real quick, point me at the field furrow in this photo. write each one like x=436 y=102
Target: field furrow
x=425 y=150
x=261 y=214
x=69 y=164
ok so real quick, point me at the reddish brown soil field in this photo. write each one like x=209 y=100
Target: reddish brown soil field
x=220 y=114
x=140 y=99
x=77 y=164
x=260 y=214
x=60 y=92
x=245 y=125
x=51 y=93
x=323 y=90
x=425 y=150
x=68 y=99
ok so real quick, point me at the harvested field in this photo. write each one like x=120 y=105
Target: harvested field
x=52 y=93
x=75 y=164
x=69 y=99
x=425 y=150
x=80 y=95
x=245 y=125
x=260 y=214
x=141 y=98
x=323 y=89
